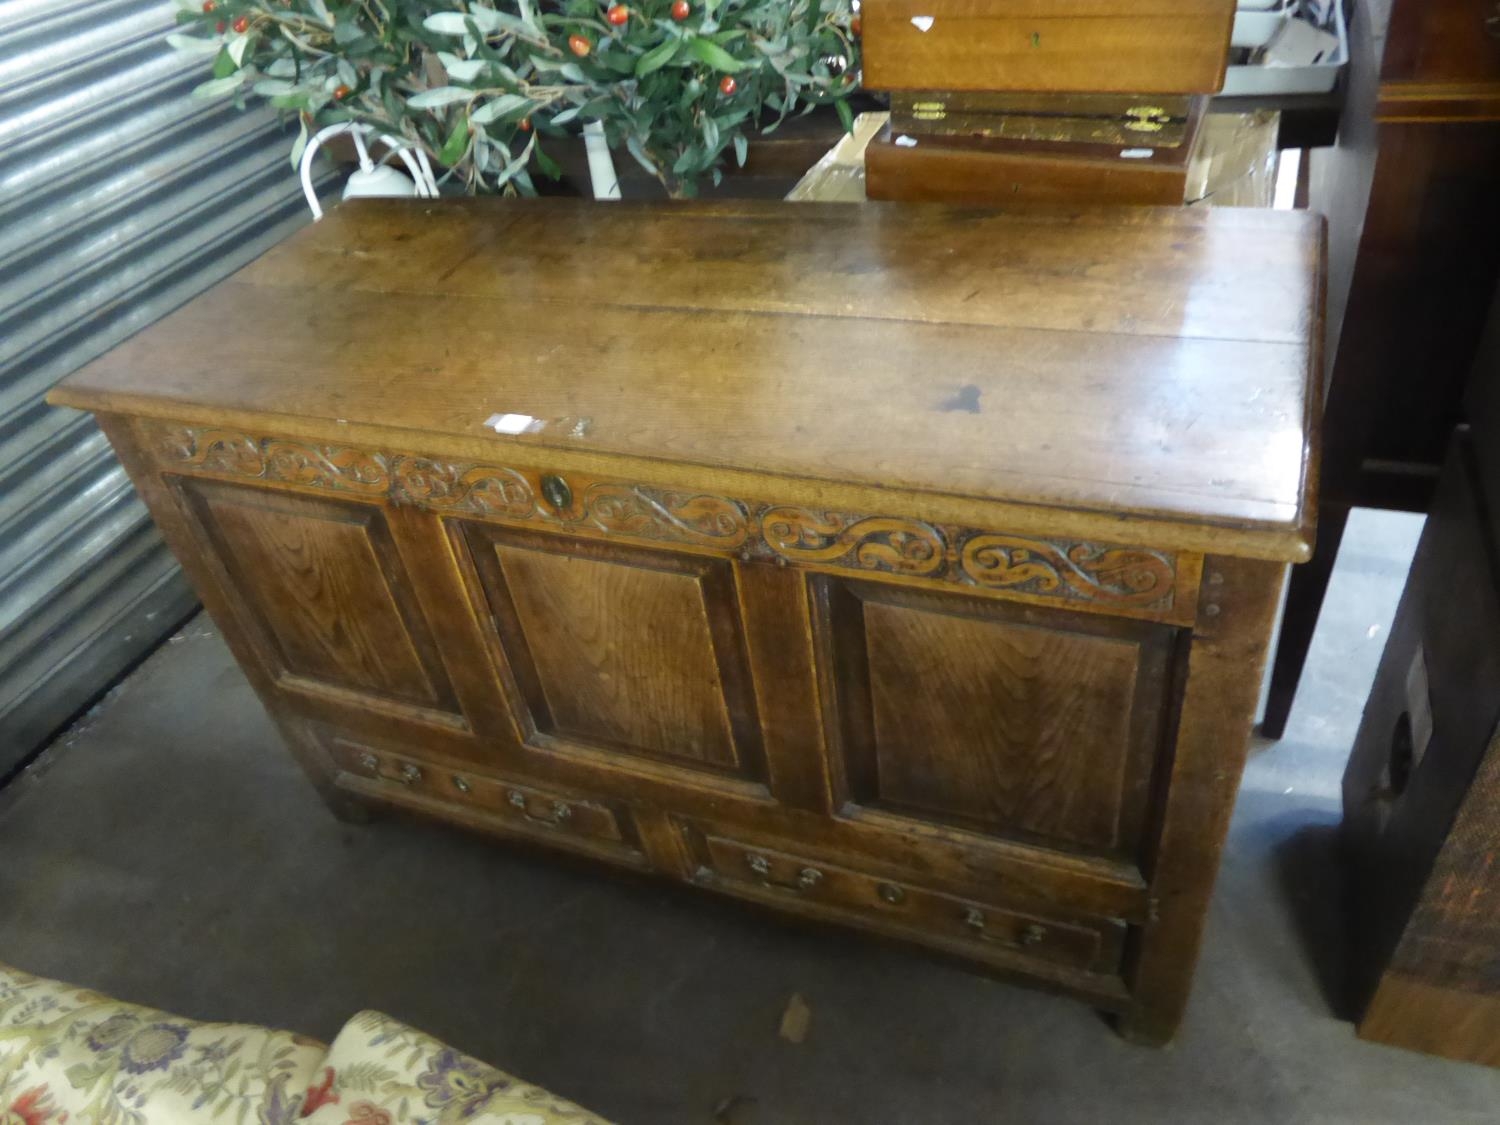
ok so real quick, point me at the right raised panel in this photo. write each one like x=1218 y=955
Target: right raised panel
x=1022 y=723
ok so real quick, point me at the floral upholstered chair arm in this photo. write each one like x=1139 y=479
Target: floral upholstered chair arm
x=69 y=1055
x=382 y=1072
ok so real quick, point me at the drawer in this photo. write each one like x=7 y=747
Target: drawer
x=973 y=928
x=559 y=817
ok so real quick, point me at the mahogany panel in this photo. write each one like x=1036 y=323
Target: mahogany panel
x=322 y=581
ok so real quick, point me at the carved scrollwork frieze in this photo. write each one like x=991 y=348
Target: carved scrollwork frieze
x=1105 y=576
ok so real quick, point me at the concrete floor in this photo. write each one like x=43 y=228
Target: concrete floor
x=167 y=850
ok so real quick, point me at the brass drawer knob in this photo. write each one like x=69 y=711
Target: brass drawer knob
x=410 y=774
x=557 y=492
x=517 y=799
x=974 y=918
x=462 y=786
x=891 y=893
x=369 y=762
x=808 y=878
x=759 y=864
x=561 y=812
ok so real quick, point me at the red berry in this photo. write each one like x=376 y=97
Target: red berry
x=341 y=92
x=209 y=5
x=579 y=45
x=854 y=26
x=681 y=9
x=241 y=25
x=727 y=85
x=617 y=14
x=220 y=26
x=525 y=125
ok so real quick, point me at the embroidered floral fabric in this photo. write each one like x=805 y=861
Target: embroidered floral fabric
x=68 y=1055
x=382 y=1072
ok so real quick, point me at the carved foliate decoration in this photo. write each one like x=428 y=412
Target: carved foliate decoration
x=482 y=490
x=863 y=542
x=1127 y=575
x=674 y=516
x=1127 y=578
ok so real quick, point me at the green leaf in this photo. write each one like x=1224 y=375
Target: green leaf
x=298 y=147
x=742 y=148
x=439 y=96
x=499 y=107
x=636 y=149
x=456 y=145
x=217 y=87
x=192 y=44
x=846 y=115
x=713 y=55
x=465 y=70
x=447 y=23
x=656 y=58
x=549 y=167
x=224 y=64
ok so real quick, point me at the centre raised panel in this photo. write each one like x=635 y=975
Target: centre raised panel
x=634 y=651
x=1007 y=720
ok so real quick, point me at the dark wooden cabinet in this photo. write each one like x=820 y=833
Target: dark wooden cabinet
x=1422 y=795
x=863 y=584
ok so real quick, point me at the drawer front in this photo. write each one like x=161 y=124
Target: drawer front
x=974 y=928
x=554 y=815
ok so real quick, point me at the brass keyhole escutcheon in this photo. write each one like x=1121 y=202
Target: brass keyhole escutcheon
x=557 y=492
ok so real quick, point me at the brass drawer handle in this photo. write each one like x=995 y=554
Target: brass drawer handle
x=560 y=812
x=462 y=785
x=410 y=774
x=807 y=877
x=369 y=762
x=891 y=893
x=1032 y=934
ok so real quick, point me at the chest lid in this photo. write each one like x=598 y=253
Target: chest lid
x=1136 y=374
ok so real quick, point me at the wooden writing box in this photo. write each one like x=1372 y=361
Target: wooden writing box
x=977 y=170
x=1101 y=46
x=905 y=569
x=1064 y=119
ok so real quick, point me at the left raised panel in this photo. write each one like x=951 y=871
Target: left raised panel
x=322 y=586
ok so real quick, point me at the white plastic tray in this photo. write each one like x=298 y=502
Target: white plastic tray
x=1256 y=22
x=1318 y=78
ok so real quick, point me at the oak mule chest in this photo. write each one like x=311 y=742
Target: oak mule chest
x=905 y=568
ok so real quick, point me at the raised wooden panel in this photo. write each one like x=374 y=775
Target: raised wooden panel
x=324 y=588
x=637 y=651
x=1010 y=721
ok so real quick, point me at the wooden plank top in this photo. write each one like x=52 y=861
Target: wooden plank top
x=1153 y=372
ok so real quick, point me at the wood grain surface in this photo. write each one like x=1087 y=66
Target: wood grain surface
x=1118 y=362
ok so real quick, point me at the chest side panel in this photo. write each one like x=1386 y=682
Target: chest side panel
x=321 y=584
x=634 y=652
x=1011 y=721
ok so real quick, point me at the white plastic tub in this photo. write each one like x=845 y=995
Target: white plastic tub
x=1316 y=78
